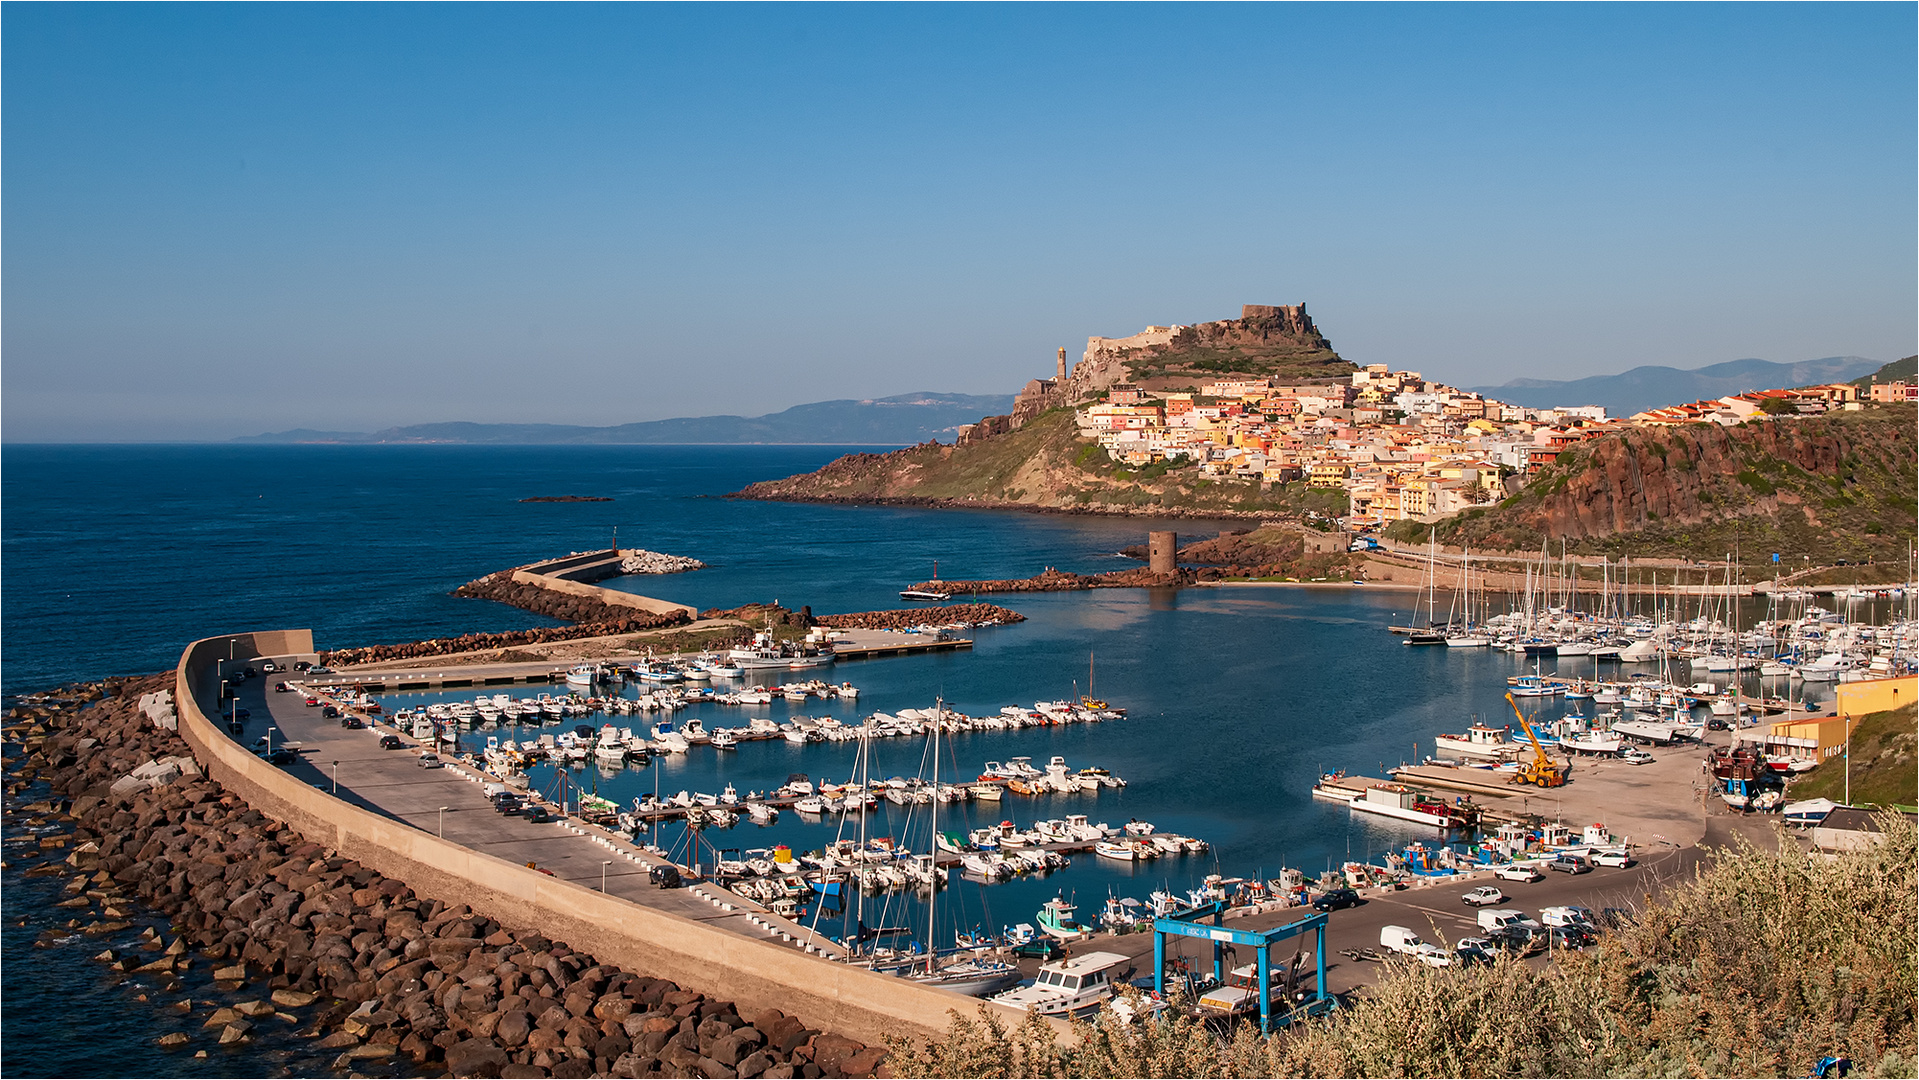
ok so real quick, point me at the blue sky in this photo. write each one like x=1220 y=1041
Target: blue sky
x=222 y=220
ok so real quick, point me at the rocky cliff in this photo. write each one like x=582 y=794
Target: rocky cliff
x=1834 y=486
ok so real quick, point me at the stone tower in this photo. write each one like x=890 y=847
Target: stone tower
x=1162 y=552
x=1061 y=377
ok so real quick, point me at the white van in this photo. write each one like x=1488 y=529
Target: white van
x=1399 y=939
x=1567 y=915
x=1500 y=918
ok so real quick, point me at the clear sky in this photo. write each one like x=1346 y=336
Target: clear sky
x=222 y=220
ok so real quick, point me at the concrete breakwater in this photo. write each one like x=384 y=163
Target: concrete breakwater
x=298 y=933
x=907 y=618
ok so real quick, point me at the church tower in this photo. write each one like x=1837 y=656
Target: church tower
x=1062 y=368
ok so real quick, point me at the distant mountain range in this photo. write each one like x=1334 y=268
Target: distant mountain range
x=902 y=420
x=1651 y=387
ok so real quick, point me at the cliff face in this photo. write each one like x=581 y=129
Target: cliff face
x=1840 y=485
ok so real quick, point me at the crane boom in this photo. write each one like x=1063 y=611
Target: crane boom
x=1542 y=770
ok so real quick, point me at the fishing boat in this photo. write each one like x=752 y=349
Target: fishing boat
x=1477 y=741
x=974 y=977
x=1056 y=919
x=924 y=594
x=1122 y=850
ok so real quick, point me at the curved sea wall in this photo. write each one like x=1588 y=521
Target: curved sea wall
x=756 y=974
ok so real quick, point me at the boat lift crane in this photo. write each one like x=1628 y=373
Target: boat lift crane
x=1188 y=924
x=1541 y=770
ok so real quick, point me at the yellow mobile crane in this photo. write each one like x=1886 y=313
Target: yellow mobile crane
x=1541 y=770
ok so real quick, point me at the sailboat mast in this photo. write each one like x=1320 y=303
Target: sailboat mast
x=932 y=897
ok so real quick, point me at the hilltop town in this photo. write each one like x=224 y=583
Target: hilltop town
x=1260 y=417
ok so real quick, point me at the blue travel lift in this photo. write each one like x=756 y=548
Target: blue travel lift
x=1262 y=941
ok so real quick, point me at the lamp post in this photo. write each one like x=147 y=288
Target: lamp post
x=270 y=732
x=443 y=811
x=336 y=778
x=604 y=863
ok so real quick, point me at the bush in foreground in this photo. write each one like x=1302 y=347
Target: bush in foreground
x=1759 y=966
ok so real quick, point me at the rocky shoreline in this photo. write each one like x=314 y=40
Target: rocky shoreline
x=765 y=491
x=299 y=936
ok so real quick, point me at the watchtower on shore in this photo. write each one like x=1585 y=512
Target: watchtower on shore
x=1162 y=552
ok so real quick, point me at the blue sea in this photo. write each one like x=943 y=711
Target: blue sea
x=1238 y=698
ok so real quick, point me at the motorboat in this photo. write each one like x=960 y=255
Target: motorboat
x=1477 y=741
x=1069 y=987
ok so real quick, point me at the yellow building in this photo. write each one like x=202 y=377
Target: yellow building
x=1329 y=474
x=1822 y=737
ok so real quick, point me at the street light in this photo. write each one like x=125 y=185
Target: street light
x=443 y=811
x=336 y=778
x=270 y=732
x=603 y=865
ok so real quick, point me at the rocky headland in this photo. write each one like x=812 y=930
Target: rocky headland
x=302 y=944
x=1839 y=485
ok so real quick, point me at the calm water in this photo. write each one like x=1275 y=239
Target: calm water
x=114 y=557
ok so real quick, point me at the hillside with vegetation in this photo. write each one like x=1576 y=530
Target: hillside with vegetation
x=1884 y=766
x=1839 y=486
x=1044 y=465
x=1760 y=965
x=1898 y=371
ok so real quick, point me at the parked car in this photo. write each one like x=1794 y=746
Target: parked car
x=1484 y=896
x=538 y=813
x=318 y=669
x=302 y=665
x=1518 y=872
x=248 y=673
x=1716 y=724
x=269 y=666
x=1041 y=948
x=511 y=806
x=243 y=714
x=329 y=713
x=281 y=688
x=431 y=760
x=1571 y=864
x=1613 y=858
x=352 y=722
x=282 y=756
x=1633 y=755
x=1335 y=899
x=391 y=742
x=1474 y=950
x=312 y=701
x=235 y=727
x=1569 y=937
x=665 y=876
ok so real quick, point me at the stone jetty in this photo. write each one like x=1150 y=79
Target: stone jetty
x=907 y=618
x=1052 y=580
x=362 y=964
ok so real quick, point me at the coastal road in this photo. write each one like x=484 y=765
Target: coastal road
x=350 y=764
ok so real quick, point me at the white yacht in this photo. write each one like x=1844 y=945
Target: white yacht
x=1068 y=987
